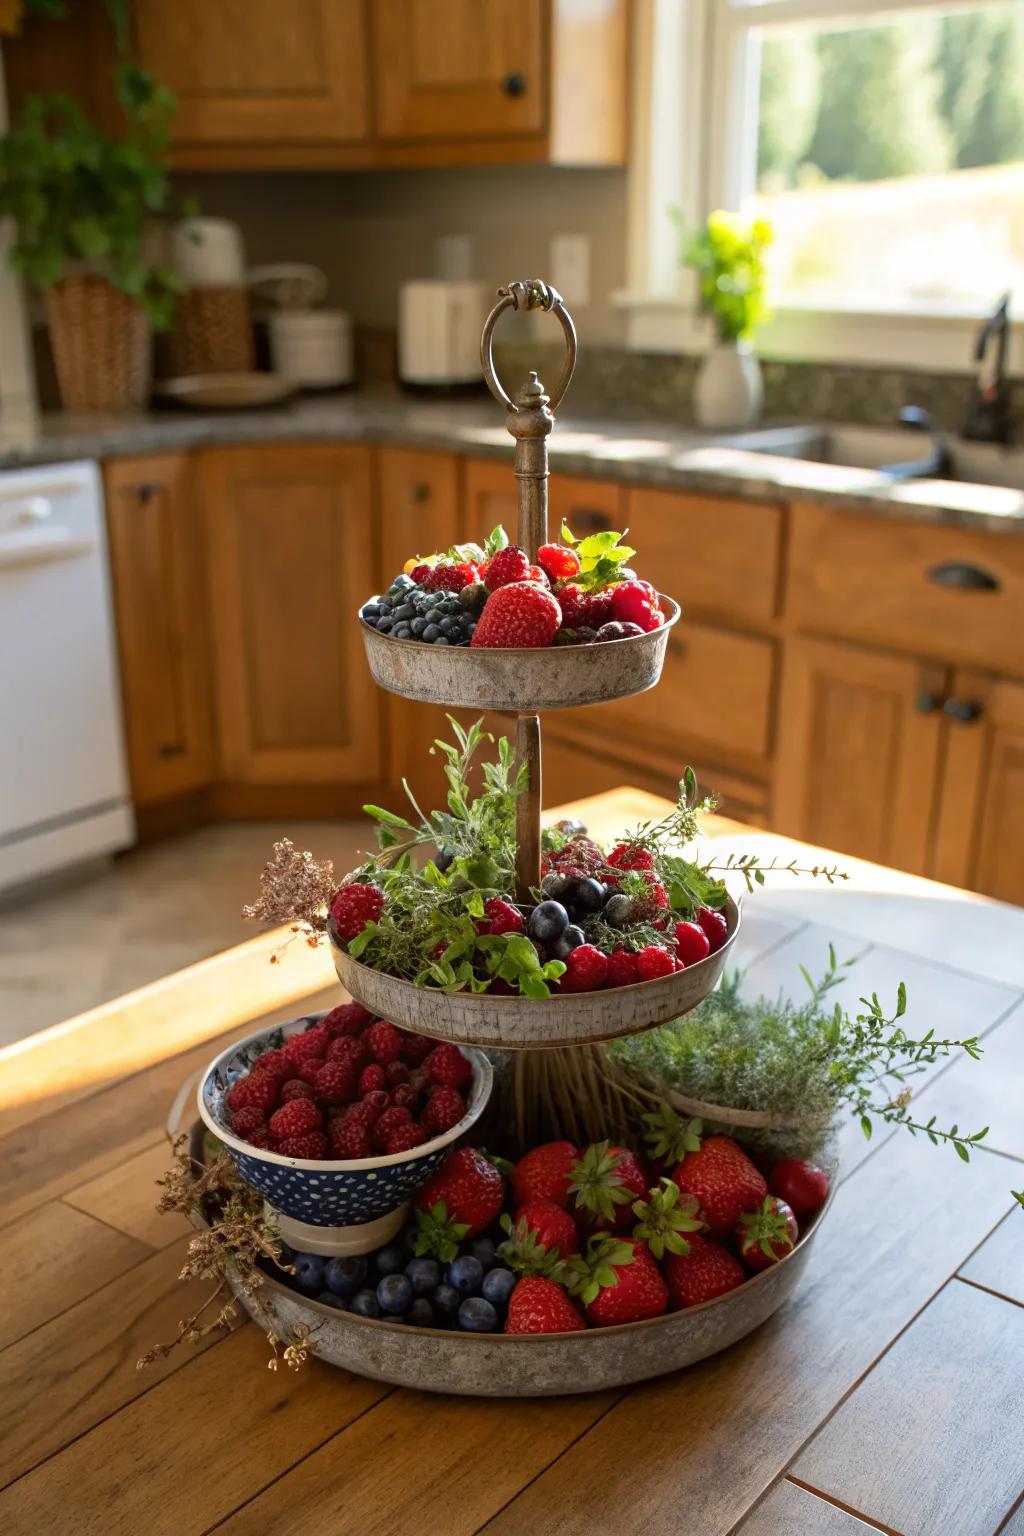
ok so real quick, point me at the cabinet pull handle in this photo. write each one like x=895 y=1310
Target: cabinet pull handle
x=514 y=84
x=145 y=492
x=172 y=749
x=927 y=703
x=963 y=578
x=590 y=519
x=421 y=491
x=677 y=649
x=963 y=711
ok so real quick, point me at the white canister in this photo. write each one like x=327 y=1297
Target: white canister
x=209 y=253
x=312 y=348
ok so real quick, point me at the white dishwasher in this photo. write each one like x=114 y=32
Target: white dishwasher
x=63 y=782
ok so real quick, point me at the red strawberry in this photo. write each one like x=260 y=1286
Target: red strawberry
x=691 y=943
x=706 y=1271
x=310 y=1145
x=348 y=1019
x=648 y=907
x=622 y=971
x=383 y=1042
x=586 y=970
x=625 y=1284
x=419 y=572
x=653 y=962
x=335 y=1082
x=500 y=917
x=470 y=1188
x=558 y=560
x=508 y=565
x=353 y=906
x=631 y=605
x=446 y=1064
x=714 y=925
x=264 y=1091
x=766 y=1235
x=538 y=1305
x=553 y=1227
x=349 y=1140
x=297 y=1088
x=389 y=1121
x=539 y=576
x=605 y=1182
x=724 y=1180
x=295 y=1118
x=443 y=1110
x=246 y=1121
x=543 y=1173
x=631 y=856
x=519 y=616
x=404 y=1138
x=803 y=1186
x=449 y=578
x=372 y=1077
x=415 y=1048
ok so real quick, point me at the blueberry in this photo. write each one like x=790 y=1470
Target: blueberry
x=447 y=625
x=618 y=910
x=384 y=603
x=465 y=1274
x=401 y=632
x=403 y=583
x=555 y=885
x=421 y=1313
x=498 y=1286
x=309 y=1272
x=364 y=1304
x=587 y=895
x=390 y=1260
x=405 y=611
x=434 y=614
x=346 y=1274
x=431 y=633
x=328 y=1299
x=370 y=611
x=482 y=1248
x=442 y=640
x=547 y=922
x=571 y=939
x=394 y=1294
x=477 y=1316
x=385 y=623
x=417 y=626
x=444 y=858
x=423 y=1274
x=446 y=1299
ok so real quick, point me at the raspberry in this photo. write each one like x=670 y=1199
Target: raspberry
x=652 y=962
x=372 y=1077
x=246 y=1121
x=449 y=578
x=416 y=1048
x=348 y=1140
x=405 y=1138
x=631 y=856
x=389 y=1121
x=273 y=1061
x=508 y=565
x=396 y=1072
x=298 y=1047
x=297 y=1088
x=714 y=925
x=238 y=1095
x=311 y=1144
x=597 y=609
x=264 y=1090
x=443 y=1109
x=347 y=1019
x=573 y=601
x=519 y=615
x=692 y=943
x=309 y=1069
x=446 y=1064
x=622 y=969
x=404 y=1096
x=373 y=1106
x=632 y=605
x=353 y=906
x=349 y=1050
x=336 y=1082
x=558 y=561
x=295 y=1118
x=500 y=917
x=383 y=1041
x=586 y=970
x=261 y=1139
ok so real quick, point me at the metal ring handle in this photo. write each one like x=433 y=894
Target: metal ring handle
x=529 y=295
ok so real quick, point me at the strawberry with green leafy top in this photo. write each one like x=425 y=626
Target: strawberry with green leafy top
x=618 y=1281
x=470 y=1189
x=668 y=1138
x=543 y=1173
x=605 y=1182
x=550 y=1226
x=766 y=1235
x=663 y=1217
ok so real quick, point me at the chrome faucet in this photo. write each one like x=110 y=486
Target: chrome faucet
x=988 y=411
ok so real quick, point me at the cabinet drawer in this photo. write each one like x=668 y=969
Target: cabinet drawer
x=949 y=592
x=713 y=554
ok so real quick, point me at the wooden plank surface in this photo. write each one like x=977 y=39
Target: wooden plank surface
x=998 y=1264
x=931 y=1440
x=125 y=1198
x=790 y=1510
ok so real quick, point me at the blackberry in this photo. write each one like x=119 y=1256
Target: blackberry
x=571 y=939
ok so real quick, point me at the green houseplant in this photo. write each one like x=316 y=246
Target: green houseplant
x=81 y=199
x=728 y=257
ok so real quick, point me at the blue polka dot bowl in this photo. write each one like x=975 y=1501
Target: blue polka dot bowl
x=324 y=1206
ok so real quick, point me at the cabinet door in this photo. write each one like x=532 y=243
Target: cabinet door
x=980 y=840
x=289 y=539
x=157 y=564
x=858 y=757
x=458 y=69
x=489 y=496
x=257 y=71
x=586 y=505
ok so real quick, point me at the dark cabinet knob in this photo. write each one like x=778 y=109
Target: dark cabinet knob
x=589 y=520
x=172 y=749
x=963 y=578
x=421 y=491
x=963 y=711
x=145 y=492
x=927 y=703
x=514 y=84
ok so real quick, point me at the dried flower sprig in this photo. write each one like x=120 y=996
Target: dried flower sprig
x=294 y=887
x=228 y=1249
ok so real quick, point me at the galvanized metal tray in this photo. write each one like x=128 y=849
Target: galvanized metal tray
x=523 y=1023
x=549 y=677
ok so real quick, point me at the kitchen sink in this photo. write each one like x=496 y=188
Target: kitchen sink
x=877 y=448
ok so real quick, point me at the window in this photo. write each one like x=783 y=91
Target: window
x=884 y=141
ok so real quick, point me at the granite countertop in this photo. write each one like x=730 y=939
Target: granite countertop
x=780 y=462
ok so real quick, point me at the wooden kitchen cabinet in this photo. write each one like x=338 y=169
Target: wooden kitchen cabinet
x=858 y=761
x=159 y=595
x=290 y=549
x=980 y=837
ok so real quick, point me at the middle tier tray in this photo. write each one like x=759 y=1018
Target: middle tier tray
x=524 y=1023
x=550 y=677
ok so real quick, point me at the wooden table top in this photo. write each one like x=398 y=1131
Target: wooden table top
x=884 y=1396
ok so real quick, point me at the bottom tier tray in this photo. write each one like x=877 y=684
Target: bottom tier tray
x=548 y=1365
x=523 y=1023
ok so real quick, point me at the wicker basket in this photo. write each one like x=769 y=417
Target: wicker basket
x=101 y=345
x=212 y=332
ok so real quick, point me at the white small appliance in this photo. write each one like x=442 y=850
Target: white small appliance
x=439 y=325
x=64 y=793
x=312 y=348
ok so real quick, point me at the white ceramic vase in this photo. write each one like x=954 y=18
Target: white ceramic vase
x=728 y=391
